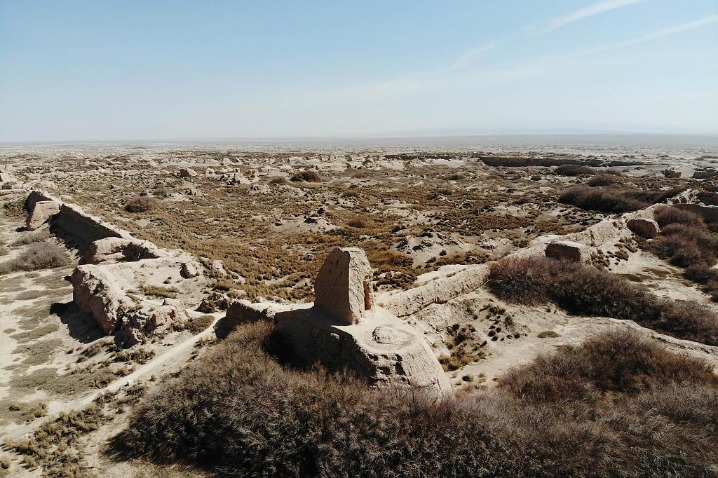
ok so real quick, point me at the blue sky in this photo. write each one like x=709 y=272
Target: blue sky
x=137 y=70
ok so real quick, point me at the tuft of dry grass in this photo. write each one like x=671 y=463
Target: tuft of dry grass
x=29 y=238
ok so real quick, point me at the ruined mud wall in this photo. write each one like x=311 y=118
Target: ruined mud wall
x=73 y=224
x=36 y=196
x=76 y=226
x=411 y=301
x=441 y=290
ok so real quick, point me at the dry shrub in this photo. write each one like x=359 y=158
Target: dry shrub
x=584 y=290
x=613 y=199
x=39 y=255
x=307 y=176
x=605 y=179
x=359 y=223
x=278 y=181
x=686 y=242
x=616 y=406
x=511 y=280
x=199 y=324
x=599 y=199
x=573 y=170
x=142 y=204
x=672 y=215
x=37 y=236
x=615 y=362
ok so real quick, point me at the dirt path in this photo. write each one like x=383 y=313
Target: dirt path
x=56 y=407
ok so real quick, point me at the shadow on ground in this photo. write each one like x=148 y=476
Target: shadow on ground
x=80 y=324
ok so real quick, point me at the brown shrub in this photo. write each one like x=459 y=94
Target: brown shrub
x=614 y=362
x=671 y=215
x=519 y=280
x=308 y=176
x=605 y=179
x=572 y=414
x=612 y=199
x=584 y=290
x=198 y=324
x=39 y=255
x=142 y=204
x=600 y=199
x=685 y=245
x=573 y=170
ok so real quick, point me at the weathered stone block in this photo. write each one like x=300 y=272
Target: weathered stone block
x=569 y=251
x=646 y=228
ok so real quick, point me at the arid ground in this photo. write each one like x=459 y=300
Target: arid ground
x=615 y=354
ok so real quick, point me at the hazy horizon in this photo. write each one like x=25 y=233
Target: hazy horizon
x=79 y=71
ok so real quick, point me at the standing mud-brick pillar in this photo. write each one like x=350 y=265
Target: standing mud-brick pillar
x=343 y=287
x=345 y=331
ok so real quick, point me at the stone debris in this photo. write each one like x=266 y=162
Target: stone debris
x=110 y=293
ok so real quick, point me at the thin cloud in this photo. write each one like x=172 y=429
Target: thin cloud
x=589 y=11
x=453 y=76
x=470 y=56
x=656 y=35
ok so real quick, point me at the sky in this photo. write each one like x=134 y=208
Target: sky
x=180 y=70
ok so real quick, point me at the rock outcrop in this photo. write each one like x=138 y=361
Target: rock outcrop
x=343 y=330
